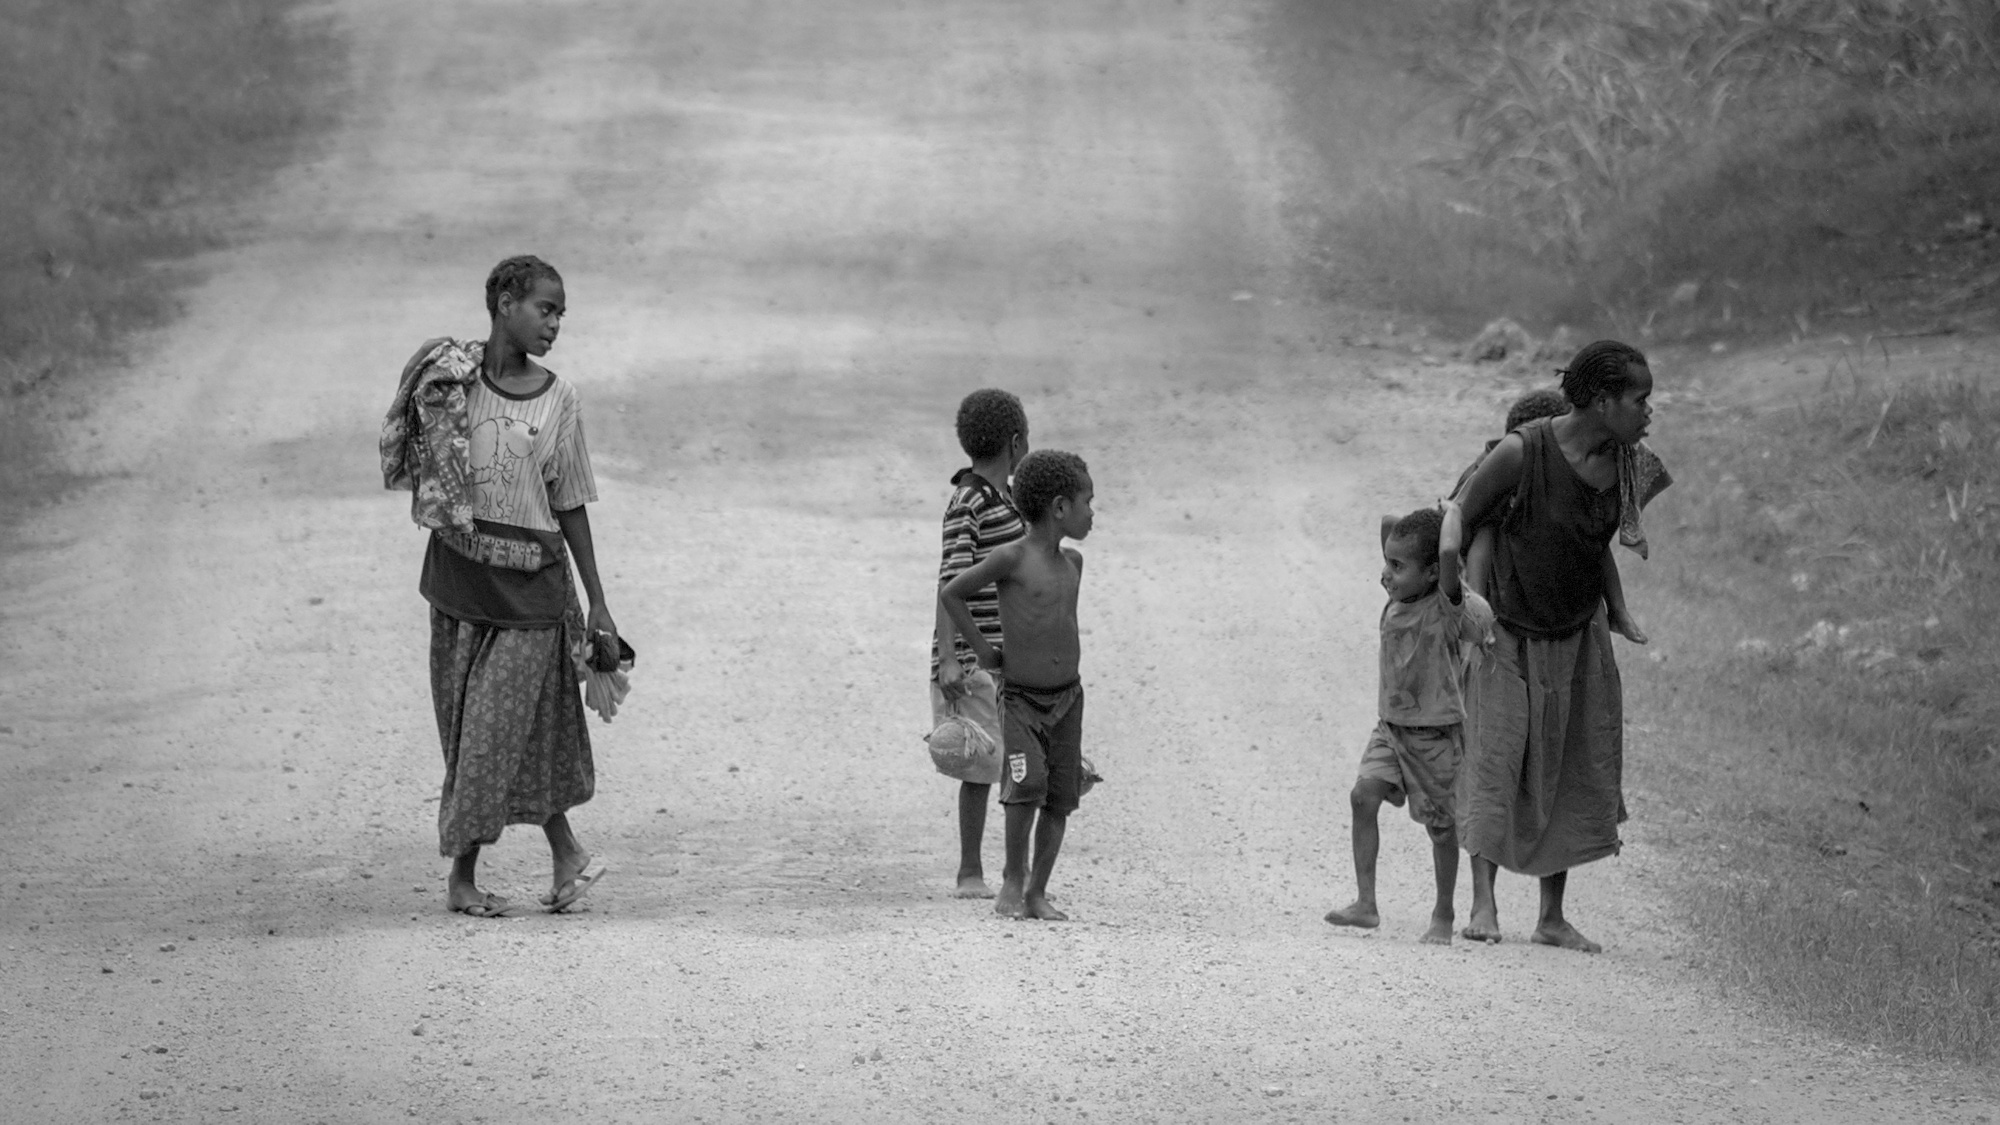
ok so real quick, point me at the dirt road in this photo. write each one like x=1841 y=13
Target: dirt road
x=795 y=234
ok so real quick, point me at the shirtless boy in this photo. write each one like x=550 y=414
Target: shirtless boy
x=1042 y=701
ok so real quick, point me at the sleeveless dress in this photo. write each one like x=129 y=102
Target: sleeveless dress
x=1540 y=790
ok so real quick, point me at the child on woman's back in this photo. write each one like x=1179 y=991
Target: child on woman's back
x=1543 y=402
x=1415 y=750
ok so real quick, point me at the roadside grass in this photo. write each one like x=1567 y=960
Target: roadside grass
x=1823 y=741
x=1671 y=170
x=132 y=128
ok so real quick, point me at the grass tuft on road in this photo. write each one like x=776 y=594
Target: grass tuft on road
x=132 y=128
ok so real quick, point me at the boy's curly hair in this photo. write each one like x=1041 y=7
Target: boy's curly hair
x=516 y=277
x=1542 y=402
x=1601 y=368
x=1424 y=527
x=1044 y=475
x=987 y=420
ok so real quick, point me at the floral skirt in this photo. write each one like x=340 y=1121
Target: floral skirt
x=511 y=722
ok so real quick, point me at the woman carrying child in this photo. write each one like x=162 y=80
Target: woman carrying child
x=1540 y=787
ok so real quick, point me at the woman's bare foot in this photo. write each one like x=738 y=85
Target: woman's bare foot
x=1035 y=906
x=1010 y=903
x=1562 y=935
x=1440 y=931
x=1358 y=913
x=1485 y=926
x=972 y=886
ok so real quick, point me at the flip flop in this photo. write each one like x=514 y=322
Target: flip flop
x=577 y=886
x=491 y=906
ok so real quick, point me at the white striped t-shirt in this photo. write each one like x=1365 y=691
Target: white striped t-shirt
x=528 y=458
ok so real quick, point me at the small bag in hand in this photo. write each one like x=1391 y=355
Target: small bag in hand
x=961 y=750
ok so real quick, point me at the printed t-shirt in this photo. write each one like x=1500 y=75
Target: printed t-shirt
x=528 y=460
x=1423 y=645
x=976 y=520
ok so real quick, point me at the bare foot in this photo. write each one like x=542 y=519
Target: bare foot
x=972 y=886
x=1035 y=906
x=1358 y=913
x=1440 y=931
x=1009 y=904
x=1485 y=926
x=1562 y=935
x=1625 y=627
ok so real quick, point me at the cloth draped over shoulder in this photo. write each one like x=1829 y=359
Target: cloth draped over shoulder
x=1641 y=476
x=424 y=444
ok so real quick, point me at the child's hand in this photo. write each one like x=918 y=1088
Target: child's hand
x=951 y=678
x=1623 y=625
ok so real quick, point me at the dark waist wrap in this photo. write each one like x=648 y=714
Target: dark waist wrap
x=497 y=574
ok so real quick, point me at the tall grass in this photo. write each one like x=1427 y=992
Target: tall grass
x=132 y=127
x=1826 y=740
x=1672 y=169
x=1567 y=106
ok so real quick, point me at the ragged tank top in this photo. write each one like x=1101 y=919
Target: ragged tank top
x=1548 y=558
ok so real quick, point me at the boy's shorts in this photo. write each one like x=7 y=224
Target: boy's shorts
x=1420 y=763
x=1043 y=762
x=980 y=705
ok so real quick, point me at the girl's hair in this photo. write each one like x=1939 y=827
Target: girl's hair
x=516 y=277
x=1599 y=369
x=987 y=420
x=1044 y=475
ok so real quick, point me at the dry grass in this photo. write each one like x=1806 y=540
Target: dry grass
x=1672 y=169
x=131 y=128
x=1824 y=745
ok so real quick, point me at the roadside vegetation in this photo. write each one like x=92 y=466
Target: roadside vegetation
x=132 y=128
x=1814 y=731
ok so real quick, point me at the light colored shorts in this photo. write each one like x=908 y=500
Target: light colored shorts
x=980 y=706
x=1420 y=763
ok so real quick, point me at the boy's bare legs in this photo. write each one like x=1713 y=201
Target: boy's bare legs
x=1485 y=924
x=1444 y=857
x=1049 y=829
x=1552 y=929
x=972 y=799
x=1366 y=800
x=1020 y=831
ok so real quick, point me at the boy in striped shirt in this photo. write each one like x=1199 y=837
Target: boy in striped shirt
x=993 y=431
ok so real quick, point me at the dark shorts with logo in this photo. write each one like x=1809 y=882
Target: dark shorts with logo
x=1044 y=746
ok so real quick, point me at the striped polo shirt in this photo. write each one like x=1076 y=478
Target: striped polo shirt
x=977 y=519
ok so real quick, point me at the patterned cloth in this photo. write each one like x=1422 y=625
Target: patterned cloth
x=1641 y=476
x=424 y=446
x=510 y=720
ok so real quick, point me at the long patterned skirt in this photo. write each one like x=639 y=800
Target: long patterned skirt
x=511 y=721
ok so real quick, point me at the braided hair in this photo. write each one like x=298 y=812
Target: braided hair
x=1599 y=369
x=516 y=277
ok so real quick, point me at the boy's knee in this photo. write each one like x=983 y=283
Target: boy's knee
x=1368 y=795
x=1446 y=834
